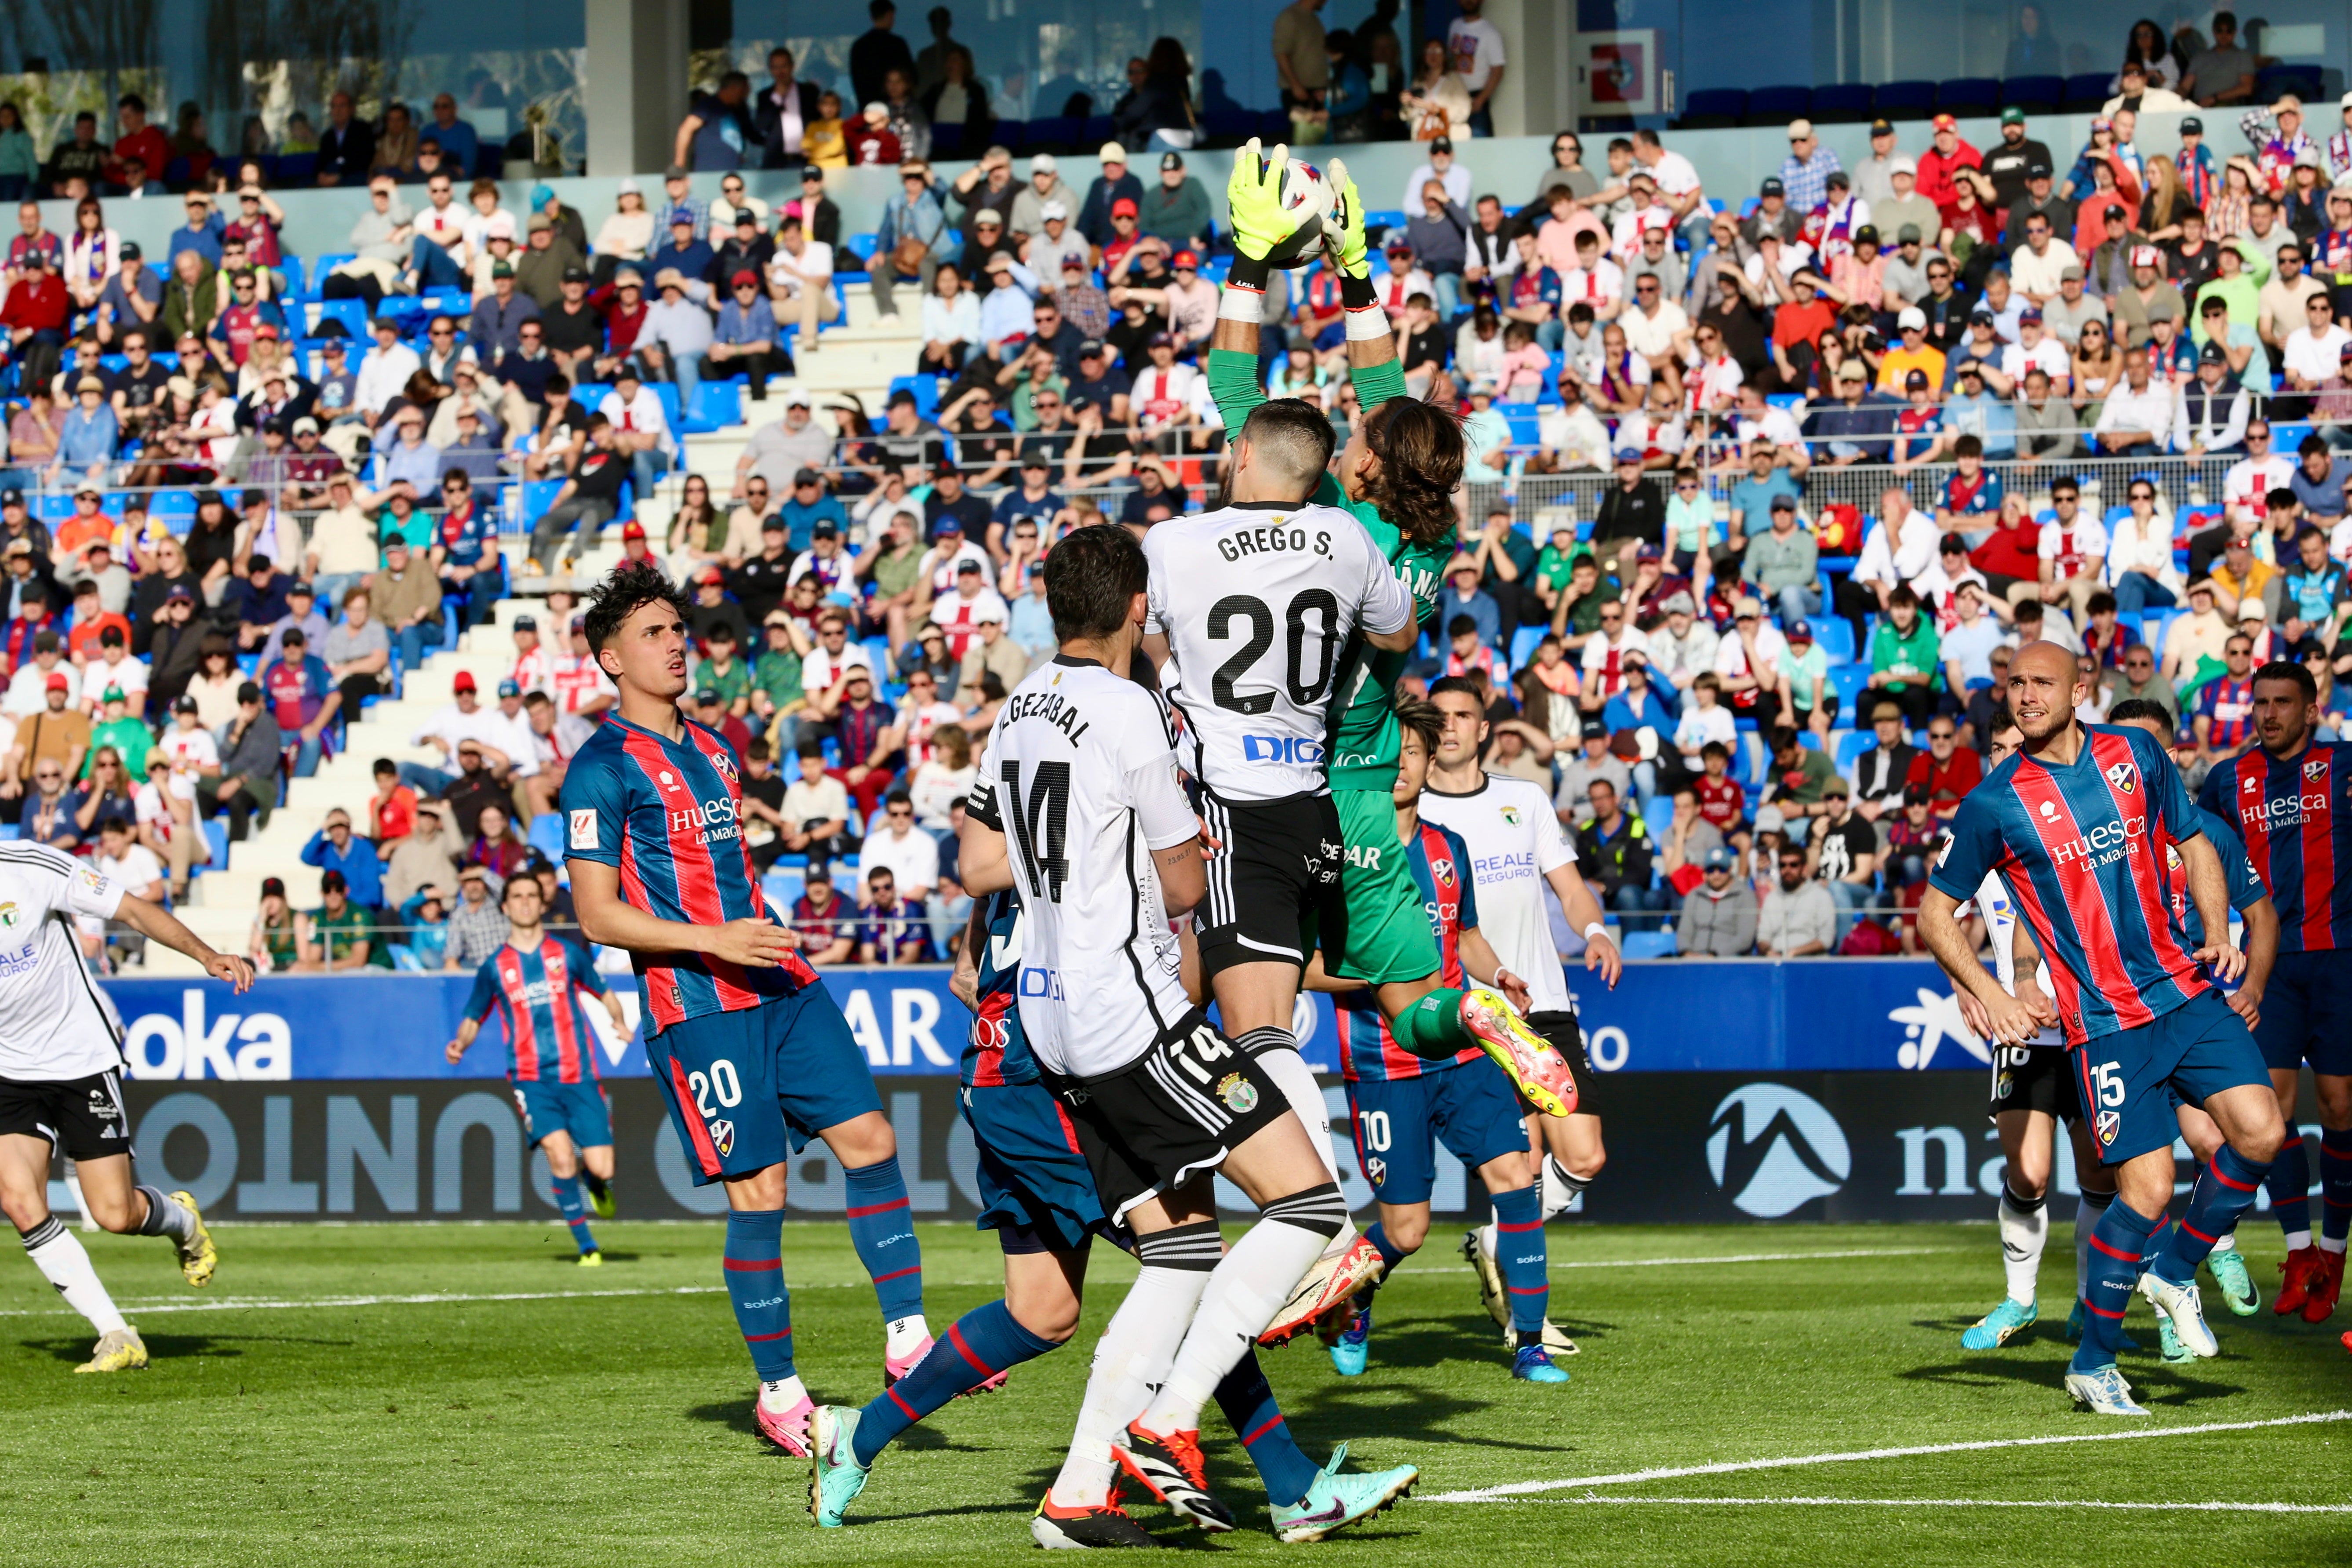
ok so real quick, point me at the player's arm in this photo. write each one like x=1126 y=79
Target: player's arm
x=2208 y=890
x=1372 y=364
x=608 y=920
x=965 y=981
x=1583 y=911
x=1480 y=962
x=984 y=863
x=1252 y=192
x=158 y=924
x=2262 y=952
x=467 y=1028
x=2008 y=1020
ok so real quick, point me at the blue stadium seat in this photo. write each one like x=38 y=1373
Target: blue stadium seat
x=1971 y=95
x=926 y=389
x=1058 y=133
x=320 y=267
x=946 y=140
x=1851 y=745
x=1378 y=222
x=292 y=266
x=2034 y=94
x=1714 y=107
x=296 y=168
x=718 y=403
x=1835 y=636
x=351 y=313
x=1098 y=129
x=1842 y=102
x=1850 y=680
x=547 y=834
x=1523 y=645
x=1777 y=105
x=1227 y=127
x=1649 y=943
x=860 y=246
x=2088 y=91
x=2272 y=83
x=1907 y=100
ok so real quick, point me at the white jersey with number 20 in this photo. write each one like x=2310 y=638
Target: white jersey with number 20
x=1080 y=778
x=1257 y=601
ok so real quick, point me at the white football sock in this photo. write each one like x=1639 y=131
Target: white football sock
x=2296 y=1241
x=1562 y=1188
x=783 y=1394
x=901 y=1337
x=2333 y=1243
x=58 y=1254
x=2023 y=1233
x=1131 y=1359
x=1243 y=1294
x=2228 y=1242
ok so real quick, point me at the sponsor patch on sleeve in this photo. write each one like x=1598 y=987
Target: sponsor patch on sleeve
x=583 y=830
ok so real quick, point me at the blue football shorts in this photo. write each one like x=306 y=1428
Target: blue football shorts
x=1398 y=1122
x=748 y=1090
x=575 y=1109
x=2131 y=1081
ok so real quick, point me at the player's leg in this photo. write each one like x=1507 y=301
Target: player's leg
x=57 y=1252
x=2335 y=1190
x=2204 y=1136
x=95 y=1127
x=1396 y=1149
x=563 y=1177
x=2125 y=1076
x=827 y=1089
x=2023 y=1217
x=2215 y=1065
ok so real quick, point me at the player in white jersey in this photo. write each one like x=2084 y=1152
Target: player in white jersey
x=2032 y=1091
x=1516 y=848
x=1078 y=806
x=61 y=1083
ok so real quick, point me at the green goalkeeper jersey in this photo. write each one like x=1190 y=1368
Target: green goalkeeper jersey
x=1362 y=742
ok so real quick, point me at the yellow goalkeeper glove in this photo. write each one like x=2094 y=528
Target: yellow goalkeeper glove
x=1254 y=195
x=1343 y=229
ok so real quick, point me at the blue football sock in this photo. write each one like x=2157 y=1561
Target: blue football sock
x=976 y=1347
x=1525 y=1260
x=2116 y=1247
x=2289 y=1185
x=881 y=1223
x=576 y=1211
x=2335 y=1185
x=754 y=1268
x=1248 y=1403
x=2224 y=1190
x=1390 y=1253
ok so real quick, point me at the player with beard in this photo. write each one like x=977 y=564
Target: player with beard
x=1516 y=848
x=2292 y=797
x=2074 y=823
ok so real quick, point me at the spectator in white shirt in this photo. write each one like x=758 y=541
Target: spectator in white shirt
x=1475 y=47
x=1595 y=281
x=640 y=429
x=908 y=853
x=800 y=282
x=2138 y=413
x=2246 y=487
x=2139 y=554
x=2072 y=552
x=1678 y=182
x=1441 y=168
x=464 y=719
x=834 y=652
x=2313 y=353
x=1900 y=547
x=1606 y=655
x=2035 y=347
x=384 y=372
x=1654 y=324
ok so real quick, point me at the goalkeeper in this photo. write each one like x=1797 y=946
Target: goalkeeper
x=1396 y=477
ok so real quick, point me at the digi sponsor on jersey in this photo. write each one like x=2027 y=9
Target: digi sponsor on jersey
x=1300 y=751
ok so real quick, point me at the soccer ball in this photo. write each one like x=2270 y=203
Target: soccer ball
x=1306 y=193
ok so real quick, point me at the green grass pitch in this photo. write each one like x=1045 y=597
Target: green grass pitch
x=603 y=1416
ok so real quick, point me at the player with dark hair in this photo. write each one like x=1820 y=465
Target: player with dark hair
x=2074 y=823
x=551 y=1054
x=62 y=1085
x=748 y=1047
x=2291 y=795
x=1291 y=697
x=1402 y=1105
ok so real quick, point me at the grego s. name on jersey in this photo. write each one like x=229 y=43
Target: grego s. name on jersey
x=1259 y=603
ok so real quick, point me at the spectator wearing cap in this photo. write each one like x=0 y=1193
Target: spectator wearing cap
x=1007 y=306
x=800 y=287
x=1177 y=208
x=1718 y=919
x=1045 y=186
x=2009 y=162
x=1783 y=562
x=2210 y=410
x=1805 y=171
x=1912 y=352
x=1907 y=205
x=1115 y=183
x=2064 y=316
x=2148 y=296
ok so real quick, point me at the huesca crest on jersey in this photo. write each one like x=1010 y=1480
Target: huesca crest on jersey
x=1239 y=1094
x=722 y=1137
x=2123 y=777
x=1444 y=871
x=2109 y=1124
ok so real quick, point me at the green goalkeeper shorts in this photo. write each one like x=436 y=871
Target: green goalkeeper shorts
x=1383 y=933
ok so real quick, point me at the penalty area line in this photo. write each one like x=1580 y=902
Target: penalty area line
x=149 y=1308
x=2068 y=1504
x=1627 y=1478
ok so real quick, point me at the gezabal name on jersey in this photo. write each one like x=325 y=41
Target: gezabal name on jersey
x=1049 y=706
x=1272 y=539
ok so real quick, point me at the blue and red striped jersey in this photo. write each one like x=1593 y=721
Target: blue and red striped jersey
x=549 y=1037
x=1440 y=863
x=2229 y=705
x=2079 y=848
x=2238 y=874
x=664 y=813
x=997 y=1052
x=2295 y=815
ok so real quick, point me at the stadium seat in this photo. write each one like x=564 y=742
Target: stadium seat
x=547 y=834
x=1649 y=943
x=1523 y=645
x=351 y=313
x=2088 y=91
x=1776 y=105
x=1850 y=680
x=2034 y=94
x=1969 y=95
x=1835 y=633
x=1851 y=745
x=1379 y=222
x=296 y=168
x=1907 y=100
x=946 y=140
x=1058 y=134
x=861 y=247
x=2273 y=82
x=1714 y=108
x=926 y=389
x=1844 y=102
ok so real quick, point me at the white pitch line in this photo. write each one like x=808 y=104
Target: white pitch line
x=1524 y=1488
x=271 y=1304
x=1558 y=1263
x=1969 y=1502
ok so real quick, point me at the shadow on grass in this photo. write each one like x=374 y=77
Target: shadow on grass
x=176 y=1347
x=571 y=1260
x=2152 y=1381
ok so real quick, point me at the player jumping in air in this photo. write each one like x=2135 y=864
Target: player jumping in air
x=2076 y=824
x=1517 y=847
x=1079 y=807
x=1284 y=666
x=551 y=1054
x=748 y=1045
x=2292 y=797
x=61 y=1084
x=1039 y=1197
x=1403 y=1106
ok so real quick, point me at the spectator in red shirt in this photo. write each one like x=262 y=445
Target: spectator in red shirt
x=622 y=302
x=1947 y=770
x=823 y=920
x=1797 y=329
x=2009 y=553
x=139 y=140
x=871 y=140
x=394 y=806
x=1940 y=165
x=1718 y=797
x=35 y=316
